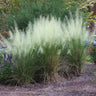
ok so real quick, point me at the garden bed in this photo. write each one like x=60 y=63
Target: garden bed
x=83 y=85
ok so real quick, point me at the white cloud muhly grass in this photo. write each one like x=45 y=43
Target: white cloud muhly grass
x=75 y=29
x=19 y=42
x=41 y=32
x=47 y=30
x=50 y=35
x=75 y=34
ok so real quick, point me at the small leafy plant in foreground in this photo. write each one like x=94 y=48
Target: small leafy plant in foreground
x=92 y=52
x=95 y=75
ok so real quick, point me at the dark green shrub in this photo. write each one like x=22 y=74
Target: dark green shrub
x=32 y=9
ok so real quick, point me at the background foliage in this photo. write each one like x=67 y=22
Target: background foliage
x=23 y=11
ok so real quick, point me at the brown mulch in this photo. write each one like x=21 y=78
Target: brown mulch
x=84 y=85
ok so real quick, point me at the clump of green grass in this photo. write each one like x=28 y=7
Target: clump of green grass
x=45 y=46
x=36 y=52
x=75 y=36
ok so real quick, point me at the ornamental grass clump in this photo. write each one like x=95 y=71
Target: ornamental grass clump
x=75 y=34
x=48 y=36
x=36 y=51
x=46 y=47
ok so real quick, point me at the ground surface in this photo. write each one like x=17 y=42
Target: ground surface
x=78 y=86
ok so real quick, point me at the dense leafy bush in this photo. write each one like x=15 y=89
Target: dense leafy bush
x=32 y=9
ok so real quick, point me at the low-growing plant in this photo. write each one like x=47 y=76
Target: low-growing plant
x=6 y=71
x=6 y=67
x=92 y=52
x=95 y=75
x=1 y=56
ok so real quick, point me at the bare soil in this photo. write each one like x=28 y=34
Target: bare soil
x=84 y=85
